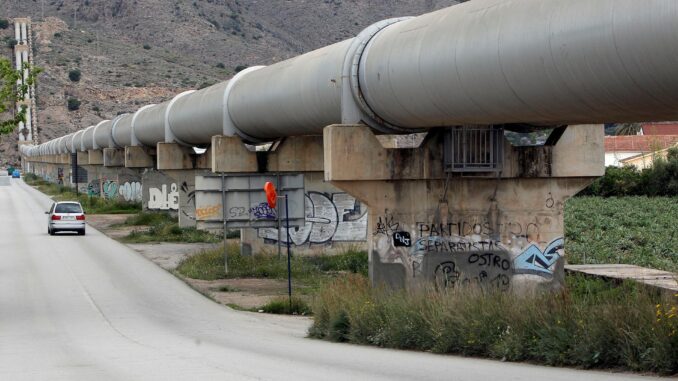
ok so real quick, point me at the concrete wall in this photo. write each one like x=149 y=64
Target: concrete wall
x=335 y=222
x=112 y=183
x=173 y=191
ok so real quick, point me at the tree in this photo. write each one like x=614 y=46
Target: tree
x=74 y=75
x=628 y=129
x=73 y=104
x=10 y=93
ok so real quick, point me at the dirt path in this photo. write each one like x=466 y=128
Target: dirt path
x=243 y=293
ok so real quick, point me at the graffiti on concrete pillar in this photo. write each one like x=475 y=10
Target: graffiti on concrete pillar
x=94 y=188
x=164 y=199
x=109 y=189
x=190 y=200
x=491 y=269
x=130 y=191
x=336 y=217
x=535 y=261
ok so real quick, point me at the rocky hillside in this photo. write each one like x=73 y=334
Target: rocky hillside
x=134 y=52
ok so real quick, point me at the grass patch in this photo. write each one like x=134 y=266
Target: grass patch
x=148 y=218
x=164 y=228
x=632 y=230
x=209 y=265
x=171 y=232
x=281 y=305
x=590 y=324
x=91 y=205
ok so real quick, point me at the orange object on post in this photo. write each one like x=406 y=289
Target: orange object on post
x=271 y=194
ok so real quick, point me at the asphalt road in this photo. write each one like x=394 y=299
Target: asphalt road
x=89 y=308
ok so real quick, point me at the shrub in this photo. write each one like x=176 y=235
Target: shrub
x=73 y=104
x=659 y=180
x=11 y=43
x=4 y=24
x=589 y=324
x=147 y=46
x=284 y=306
x=240 y=68
x=74 y=75
x=221 y=65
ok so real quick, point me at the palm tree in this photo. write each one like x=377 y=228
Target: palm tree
x=628 y=129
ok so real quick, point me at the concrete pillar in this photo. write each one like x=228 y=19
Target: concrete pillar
x=83 y=158
x=139 y=157
x=174 y=156
x=335 y=222
x=426 y=225
x=114 y=157
x=95 y=157
x=204 y=161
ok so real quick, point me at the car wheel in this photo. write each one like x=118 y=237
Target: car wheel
x=81 y=232
x=51 y=232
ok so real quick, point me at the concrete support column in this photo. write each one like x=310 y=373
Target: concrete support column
x=114 y=157
x=139 y=157
x=335 y=222
x=426 y=225
x=174 y=156
x=95 y=157
x=83 y=158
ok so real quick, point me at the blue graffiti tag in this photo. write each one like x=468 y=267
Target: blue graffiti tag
x=534 y=261
x=263 y=211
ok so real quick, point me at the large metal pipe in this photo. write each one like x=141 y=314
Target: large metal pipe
x=88 y=138
x=529 y=61
x=481 y=62
x=102 y=134
x=76 y=143
x=121 y=132
x=149 y=124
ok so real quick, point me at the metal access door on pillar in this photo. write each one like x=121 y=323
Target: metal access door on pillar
x=235 y=202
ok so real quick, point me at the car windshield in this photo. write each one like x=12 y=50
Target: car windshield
x=68 y=208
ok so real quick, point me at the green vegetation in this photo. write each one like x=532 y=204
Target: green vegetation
x=164 y=228
x=631 y=230
x=92 y=205
x=10 y=92
x=282 y=305
x=147 y=46
x=588 y=325
x=74 y=75
x=209 y=265
x=74 y=104
x=659 y=180
x=4 y=23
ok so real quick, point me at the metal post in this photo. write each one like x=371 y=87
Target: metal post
x=279 y=221
x=223 y=205
x=74 y=158
x=289 y=263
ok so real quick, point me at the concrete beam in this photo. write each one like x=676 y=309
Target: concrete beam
x=96 y=157
x=204 y=161
x=83 y=158
x=114 y=157
x=174 y=156
x=139 y=157
x=293 y=154
x=229 y=154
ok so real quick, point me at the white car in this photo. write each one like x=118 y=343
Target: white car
x=66 y=216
